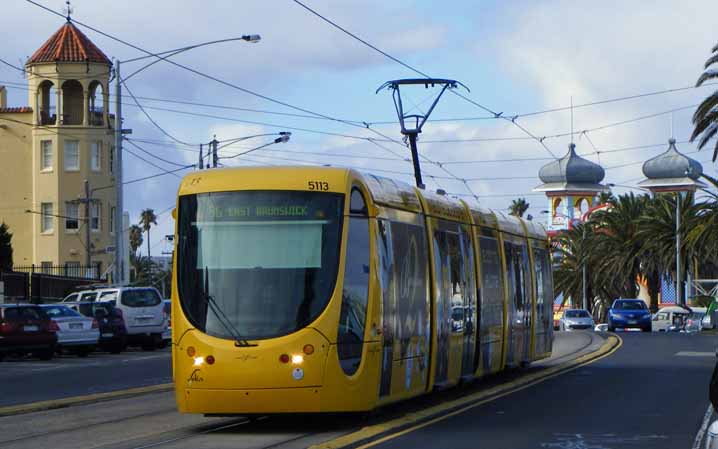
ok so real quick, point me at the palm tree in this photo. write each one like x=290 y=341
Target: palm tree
x=615 y=247
x=518 y=207
x=135 y=238
x=147 y=219
x=574 y=248
x=606 y=197
x=705 y=119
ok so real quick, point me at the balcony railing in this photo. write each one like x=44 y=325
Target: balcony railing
x=48 y=116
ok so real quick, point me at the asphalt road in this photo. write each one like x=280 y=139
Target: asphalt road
x=652 y=393
x=24 y=380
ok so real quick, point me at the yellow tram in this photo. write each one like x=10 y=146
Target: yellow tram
x=312 y=289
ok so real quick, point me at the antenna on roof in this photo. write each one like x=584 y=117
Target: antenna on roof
x=672 y=126
x=571 y=118
x=68 y=11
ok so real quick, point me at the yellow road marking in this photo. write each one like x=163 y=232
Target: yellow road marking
x=612 y=344
x=76 y=400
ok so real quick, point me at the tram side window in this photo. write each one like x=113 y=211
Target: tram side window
x=354 y=296
x=516 y=275
x=456 y=277
x=540 y=259
x=492 y=295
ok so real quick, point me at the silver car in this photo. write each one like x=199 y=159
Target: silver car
x=576 y=319
x=77 y=333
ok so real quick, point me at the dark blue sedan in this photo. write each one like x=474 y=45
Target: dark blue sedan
x=629 y=314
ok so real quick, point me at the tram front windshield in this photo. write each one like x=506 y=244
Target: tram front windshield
x=257 y=264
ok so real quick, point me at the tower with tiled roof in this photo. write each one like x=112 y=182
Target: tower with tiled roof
x=62 y=139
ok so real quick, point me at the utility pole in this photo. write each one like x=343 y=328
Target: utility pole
x=119 y=275
x=201 y=157
x=88 y=245
x=213 y=145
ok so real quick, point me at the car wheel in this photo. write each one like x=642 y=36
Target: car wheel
x=611 y=329
x=46 y=354
x=2 y=356
x=647 y=329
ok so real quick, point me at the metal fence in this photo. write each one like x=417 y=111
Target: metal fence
x=16 y=286
x=51 y=288
x=69 y=271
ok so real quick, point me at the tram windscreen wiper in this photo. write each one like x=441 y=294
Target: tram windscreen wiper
x=239 y=341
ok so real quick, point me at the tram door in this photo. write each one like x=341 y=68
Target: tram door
x=519 y=288
x=406 y=308
x=455 y=304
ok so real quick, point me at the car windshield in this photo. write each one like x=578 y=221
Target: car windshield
x=577 y=314
x=60 y=312
x=696 y=316
x=145 y=297
x=630 y=305
x=268 y=259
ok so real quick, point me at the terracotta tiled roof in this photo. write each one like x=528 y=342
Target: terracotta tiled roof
x=68 y=44
x=16 y=110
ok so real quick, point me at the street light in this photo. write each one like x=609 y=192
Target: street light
x=281 y=139
x=118 y=275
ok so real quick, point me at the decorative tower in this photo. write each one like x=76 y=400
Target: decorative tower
x=571 y=185
x=673 y=173
x=68 y=80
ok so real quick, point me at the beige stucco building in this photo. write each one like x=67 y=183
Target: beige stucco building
x=48 y=150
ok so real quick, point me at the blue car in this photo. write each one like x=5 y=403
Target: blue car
x=629 y=313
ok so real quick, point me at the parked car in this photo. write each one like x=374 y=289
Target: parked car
x=694 y=320
x=629 y=314
x=76 y=333
x=26 y=329
x=111 y=324
x=576 y=319
x=671 y=318
x=82 y=296
x=142 y=310
x=167 y=334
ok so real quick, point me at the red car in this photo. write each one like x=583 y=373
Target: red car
x=26 y=328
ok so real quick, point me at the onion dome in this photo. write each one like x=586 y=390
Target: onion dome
x=573 y=169
x=672 y=164
x=571 y=173
x=672 y=171
x=68 y=44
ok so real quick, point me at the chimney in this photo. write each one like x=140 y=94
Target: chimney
x=3 y=97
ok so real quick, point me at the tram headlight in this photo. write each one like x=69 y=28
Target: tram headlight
x=198 y=361
x=297 y=359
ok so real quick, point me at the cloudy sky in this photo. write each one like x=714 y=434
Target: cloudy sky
x=516 y=57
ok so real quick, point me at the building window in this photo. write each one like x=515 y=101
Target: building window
x=95 y=209
x=112 y=219
x=112 y=159
x=72 y=216
x=96 y=156
x=46 y=267
x=72 y=155
x=46 y=155
x=72 y=269
x=47 y=218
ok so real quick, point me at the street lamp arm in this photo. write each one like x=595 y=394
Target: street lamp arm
x=281 y=139
x=169 y=53
x=229 y=142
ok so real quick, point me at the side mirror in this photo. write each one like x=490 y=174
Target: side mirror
x=713 y=388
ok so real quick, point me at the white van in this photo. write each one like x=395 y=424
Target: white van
x=669 y=316
x=142 y=310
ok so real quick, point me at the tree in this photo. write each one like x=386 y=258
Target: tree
x=705 y=119
x=616 y=248
x=606 y=197
x=5 y=248
x=518 y=207
x=135 y=238
x=147 y=219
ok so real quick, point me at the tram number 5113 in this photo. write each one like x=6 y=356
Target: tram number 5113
x=318 y=185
